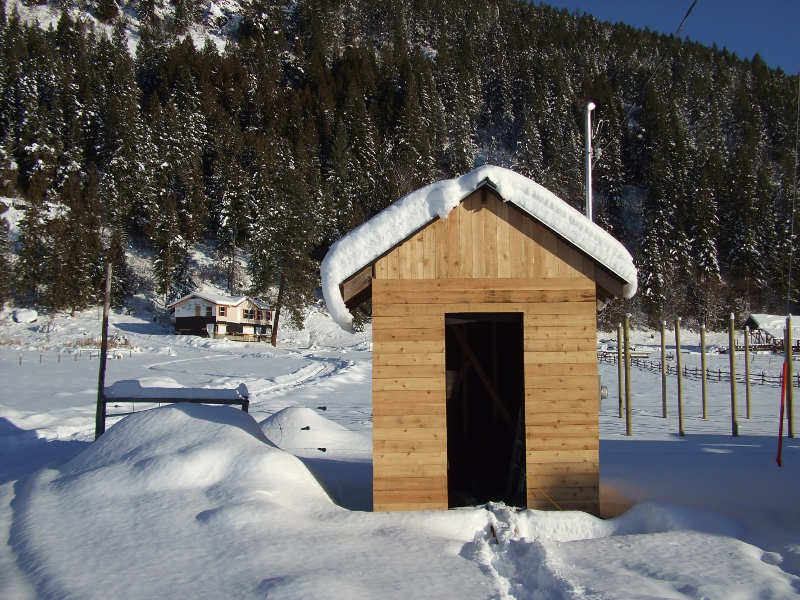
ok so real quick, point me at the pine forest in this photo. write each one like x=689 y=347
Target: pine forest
x=319 y=113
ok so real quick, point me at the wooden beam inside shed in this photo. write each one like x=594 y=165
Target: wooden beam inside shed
x=476 y=365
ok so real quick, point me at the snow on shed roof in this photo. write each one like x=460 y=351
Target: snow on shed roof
x=221 y=299
x=372 y=239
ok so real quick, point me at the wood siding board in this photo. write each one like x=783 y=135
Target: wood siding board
x=402 y=408
x=418 y=383
x=490 y=239
x=413 y=495
x=408 y=398
x=465 y=239
x=564 y=382
x=429 y=262
x=538 y=368
x=409 y=445
x=479 y=249
x=398 y=506
x=413 y=434
x=409 y=458
x=557 y=357
x=480 y=295
x=408 y=347
x=381 y=268
x=560 y=443
x=412 y=321
x=408 y=335
x=409 y=483
x=544 y=457
x=587 y=467
x=408 y=470
x=395 y=371
x=560 y=400
x=409 y=359
x=428 y=421
x=502 y=234
x=393 y=264
x=520 y=284
x=453 y=243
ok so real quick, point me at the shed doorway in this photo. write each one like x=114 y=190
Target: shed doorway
x=484 y=364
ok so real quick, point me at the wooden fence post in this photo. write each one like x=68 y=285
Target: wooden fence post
x=628 y=424
x=789 y=387
x=100 y=416
x=680 y=375
x=703 y=366
x=663 y=370
x=620 y=367
x=732 y=354
x=747 y=370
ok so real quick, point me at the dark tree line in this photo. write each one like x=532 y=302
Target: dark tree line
x=323 y=112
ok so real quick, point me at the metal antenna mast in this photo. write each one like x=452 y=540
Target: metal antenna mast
x=794 y=197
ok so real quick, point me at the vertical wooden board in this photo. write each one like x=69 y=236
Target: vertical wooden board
x=393 y=264
x=517 y=241
x=453 y=242
x=404 y=259
x=570 y=263
x=381 y=268
x=543 y=244
x=490 y=237
x=465 y=240
x=503 y=233
x=420 y=255
x=534 y=254
x=429 y=250
x=478 y=245
x=443 y=247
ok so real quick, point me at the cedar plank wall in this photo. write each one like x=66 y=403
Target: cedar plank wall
x=485 y=257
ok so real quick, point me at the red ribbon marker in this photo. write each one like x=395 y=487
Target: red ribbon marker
x=780 y=425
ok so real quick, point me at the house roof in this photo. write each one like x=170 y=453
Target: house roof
x=221 y=299
x=774 y=325
x=369 y=241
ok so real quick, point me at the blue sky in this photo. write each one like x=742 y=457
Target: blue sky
x=769 y=27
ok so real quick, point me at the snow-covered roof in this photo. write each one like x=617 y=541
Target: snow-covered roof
x=774 y=325
x=221 y=299
x=372 y=239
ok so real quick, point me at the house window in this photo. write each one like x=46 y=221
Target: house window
x=222 y=311
x=259 y=315
x=209 y=311
x=249 y=313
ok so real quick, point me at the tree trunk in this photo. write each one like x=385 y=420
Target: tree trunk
x=278 y=302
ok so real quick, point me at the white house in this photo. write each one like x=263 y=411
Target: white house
x=215 y=315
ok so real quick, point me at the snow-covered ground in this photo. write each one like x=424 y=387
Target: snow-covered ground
x=210 y=502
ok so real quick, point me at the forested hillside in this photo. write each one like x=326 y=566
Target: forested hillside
x=320 y=113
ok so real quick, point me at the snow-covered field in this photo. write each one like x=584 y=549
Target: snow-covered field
x=209 y=502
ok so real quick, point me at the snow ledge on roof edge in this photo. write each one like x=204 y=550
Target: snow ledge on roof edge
x=371 y=239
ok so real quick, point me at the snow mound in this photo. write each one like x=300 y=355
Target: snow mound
x=176 y=470
x=25 y=315
x=399 y=220
x=189 y=445
x=297 y=429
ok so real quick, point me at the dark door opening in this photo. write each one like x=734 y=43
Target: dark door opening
x=485 y=408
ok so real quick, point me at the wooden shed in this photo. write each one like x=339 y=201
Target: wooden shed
x=484 y=382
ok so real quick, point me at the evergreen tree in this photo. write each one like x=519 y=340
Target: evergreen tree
x=281 y=264
x=5 y=265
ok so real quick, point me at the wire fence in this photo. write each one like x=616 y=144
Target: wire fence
x=712 y=375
